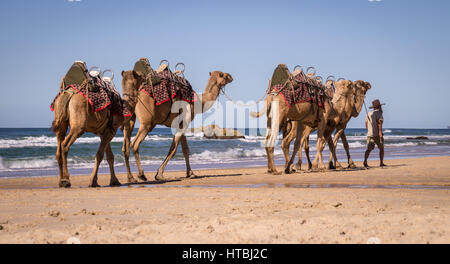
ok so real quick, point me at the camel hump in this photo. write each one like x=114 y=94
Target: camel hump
x=280 y=75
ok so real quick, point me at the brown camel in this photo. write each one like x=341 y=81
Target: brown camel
x=150 y=115
x=346 y=103
x=306 y=113
x=289 y=130
x=73 y=110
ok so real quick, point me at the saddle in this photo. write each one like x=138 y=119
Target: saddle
x=143 y=67
x=172 y=85
x=98 y=90
x=297 y=87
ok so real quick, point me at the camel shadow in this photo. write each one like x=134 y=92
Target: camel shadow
x=153 y=182
x=216 y=175
x=179 y=179
x=349 y=169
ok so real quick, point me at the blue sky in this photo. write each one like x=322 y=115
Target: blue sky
x=401 y=47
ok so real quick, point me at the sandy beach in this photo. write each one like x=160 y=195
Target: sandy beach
x=407 y=202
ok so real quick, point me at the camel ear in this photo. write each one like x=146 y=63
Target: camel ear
x=209 y=73
x=123 y=72
x=368 y=85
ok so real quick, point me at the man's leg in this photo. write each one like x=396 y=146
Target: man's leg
x=370 y=147
x=380 y=143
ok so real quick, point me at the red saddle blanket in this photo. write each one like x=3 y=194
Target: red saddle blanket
x=304 y=93
x=170 y=88
x=105 y=97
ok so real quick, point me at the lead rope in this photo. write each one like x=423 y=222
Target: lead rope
x=262 y=98
x=246 y=105
x=367 y=113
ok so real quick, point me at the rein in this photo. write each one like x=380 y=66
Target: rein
x=252 y=104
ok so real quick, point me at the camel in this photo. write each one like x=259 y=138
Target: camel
x=73 y=110
x=289 y=130
x=150 y=115
x=278 y=112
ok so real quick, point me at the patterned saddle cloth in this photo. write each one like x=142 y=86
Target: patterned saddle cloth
x=303 y=92
x=105 y=96
x=171 y=87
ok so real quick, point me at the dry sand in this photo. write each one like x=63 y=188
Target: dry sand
x=33 y=210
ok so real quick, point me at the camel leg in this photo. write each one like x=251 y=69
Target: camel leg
x=286 y=142
x=297 y=145
x=304 y=144
x=75 y=132
x=307 y=153
x=321 y=140
x=142 y=133
x=60 y=135
x=110 y=158
x=333 y=142
x=298 y=166
x=332 y=147
x=173 y=149
x=127 y=130
x=185 y=148
x=351 y=164
x=105 y=140
x=276 y=117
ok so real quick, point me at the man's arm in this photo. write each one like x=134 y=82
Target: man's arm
x=380 y=128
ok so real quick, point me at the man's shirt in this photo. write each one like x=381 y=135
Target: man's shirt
x=372 y=122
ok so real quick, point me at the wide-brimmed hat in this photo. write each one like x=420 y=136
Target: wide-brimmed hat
x=376 y=104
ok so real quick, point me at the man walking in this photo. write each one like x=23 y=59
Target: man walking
x=374 y=125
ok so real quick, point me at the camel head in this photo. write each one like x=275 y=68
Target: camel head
x=220 y=78
x=344 y=87
x=361 y=88
x=131 y=82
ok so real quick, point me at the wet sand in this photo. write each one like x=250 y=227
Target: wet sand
x=407 y=202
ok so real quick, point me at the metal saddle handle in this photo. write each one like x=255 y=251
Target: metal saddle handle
x=311 y=68
x=164 y=62
x=298 y=66
x=180 y=63
x=95 y=71
x=107 y=78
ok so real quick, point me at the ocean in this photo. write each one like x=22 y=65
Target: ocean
x=30 y=152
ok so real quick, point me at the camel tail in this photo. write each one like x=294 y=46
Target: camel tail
x=61 y=115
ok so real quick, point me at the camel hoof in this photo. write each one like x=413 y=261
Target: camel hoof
x=115 y=183
x=298 y=167
x=274 y=172
x=132 y=180
x=290 y=169
x=142 y=178
x=351 y=166
x=64 y=184
x=94 y=185
x=331 y=166
x=159 y=178
x=191 y=175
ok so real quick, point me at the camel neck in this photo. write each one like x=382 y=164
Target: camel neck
x=210 y=95
x=131 y=100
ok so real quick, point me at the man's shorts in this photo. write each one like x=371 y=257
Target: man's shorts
x=371 y=141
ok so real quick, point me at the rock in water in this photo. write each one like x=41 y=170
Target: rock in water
x=417 y=138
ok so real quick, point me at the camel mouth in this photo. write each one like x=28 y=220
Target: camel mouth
x=229 y=78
